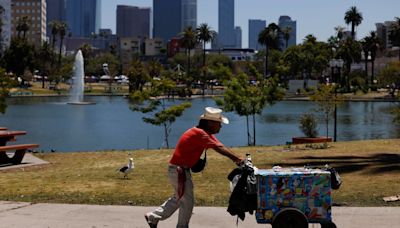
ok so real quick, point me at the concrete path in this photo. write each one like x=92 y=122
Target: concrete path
x=22 y=215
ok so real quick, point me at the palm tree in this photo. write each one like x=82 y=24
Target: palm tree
x=54 y=25
x=371 y=44
x=188 y=41
x=205 y=35
x=394 y=35
x=350 y=51
x=339 y=32
x=62 y=30
x=23 y=25
x=269 y=37
x=353 y=17
x=286 y=35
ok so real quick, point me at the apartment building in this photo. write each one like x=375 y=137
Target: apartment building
x=35 y=13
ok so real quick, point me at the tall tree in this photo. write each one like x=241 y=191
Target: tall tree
x=371 y=44
x=353 y=17
x=23 y=25
x=137 y=76
x=205 y=35
x=62 y=30
x=54 y=25
x=269 y=37
x=19 y=56
x=188 y=41
x=327 y=100
x=250 y=99
x=6 y=83
x=394 y=34
x=350 y=51
x=44 y=60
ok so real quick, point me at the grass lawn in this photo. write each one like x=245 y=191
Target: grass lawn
x=369 y=169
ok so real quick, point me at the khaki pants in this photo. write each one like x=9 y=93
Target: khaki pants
x=185 y=203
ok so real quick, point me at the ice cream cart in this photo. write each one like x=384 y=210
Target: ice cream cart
x=294 y=197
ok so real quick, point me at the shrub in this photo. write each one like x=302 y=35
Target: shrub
x=308 y=125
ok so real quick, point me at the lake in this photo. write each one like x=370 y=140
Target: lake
x=111 y=125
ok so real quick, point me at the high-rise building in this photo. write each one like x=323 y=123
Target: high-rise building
x=287 y=22
x=226 y=24
x=133 y=21
x=383 y=31
x=6 y=26
x=189 y=13
x=35 y=13
x=172 y=16
x=83 y=17
x=238 y=37
x=167 y=18
x=56 y=10
x=255 y=27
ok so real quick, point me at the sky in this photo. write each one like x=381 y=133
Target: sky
x=317 y=17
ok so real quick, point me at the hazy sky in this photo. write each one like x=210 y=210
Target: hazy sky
x=317 y=17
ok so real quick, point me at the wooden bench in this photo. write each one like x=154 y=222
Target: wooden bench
x=18 y=154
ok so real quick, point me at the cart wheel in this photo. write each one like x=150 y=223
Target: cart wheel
x=328 y=225
x=290 y=218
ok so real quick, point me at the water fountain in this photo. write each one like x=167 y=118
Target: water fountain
x=78 y=84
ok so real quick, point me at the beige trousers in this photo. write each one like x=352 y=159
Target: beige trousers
x=185 y=203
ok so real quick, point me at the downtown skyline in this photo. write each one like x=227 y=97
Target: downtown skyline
x=313 y=16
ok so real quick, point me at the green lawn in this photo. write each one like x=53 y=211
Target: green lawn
x=370 y=170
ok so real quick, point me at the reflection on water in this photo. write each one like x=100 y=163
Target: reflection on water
x=110 y=124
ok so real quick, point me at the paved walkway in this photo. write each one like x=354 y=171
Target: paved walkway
x=22 y=215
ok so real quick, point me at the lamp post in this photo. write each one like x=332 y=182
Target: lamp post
x=335 y=64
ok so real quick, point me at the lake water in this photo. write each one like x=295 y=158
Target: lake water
x=111 y=125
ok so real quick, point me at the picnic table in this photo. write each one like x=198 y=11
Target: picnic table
x=19 y=149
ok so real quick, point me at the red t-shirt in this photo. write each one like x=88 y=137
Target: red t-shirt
x=191 y=145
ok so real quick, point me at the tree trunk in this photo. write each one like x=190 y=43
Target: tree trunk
x=166 y=135
x=59 y=54
x=254 y=129
x=266 y=61
x=248 y=131
x=372 y=71
x=327 y=125
x=366 y=72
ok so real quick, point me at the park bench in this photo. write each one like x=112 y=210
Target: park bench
x=19 y=153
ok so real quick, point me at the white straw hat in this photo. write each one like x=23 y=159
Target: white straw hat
x=214 y=114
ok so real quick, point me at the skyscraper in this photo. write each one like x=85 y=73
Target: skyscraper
x=133 y=21
x=6 y=26
x=172 y=16
x=238 y=37
x=226 y=23
x=55 y=12
x=189 y=13
x=284 y=22
x=83 y=17
x=35 y=12
x=255 y=27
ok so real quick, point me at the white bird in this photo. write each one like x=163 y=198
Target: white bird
x=127 y=168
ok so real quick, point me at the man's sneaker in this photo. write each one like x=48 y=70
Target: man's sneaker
x=152 y=225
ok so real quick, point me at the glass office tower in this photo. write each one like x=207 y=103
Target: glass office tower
x=83 y=17
x=226 y=24
x=255 y=27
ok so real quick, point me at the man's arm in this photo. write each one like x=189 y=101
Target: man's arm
x=228 y=153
